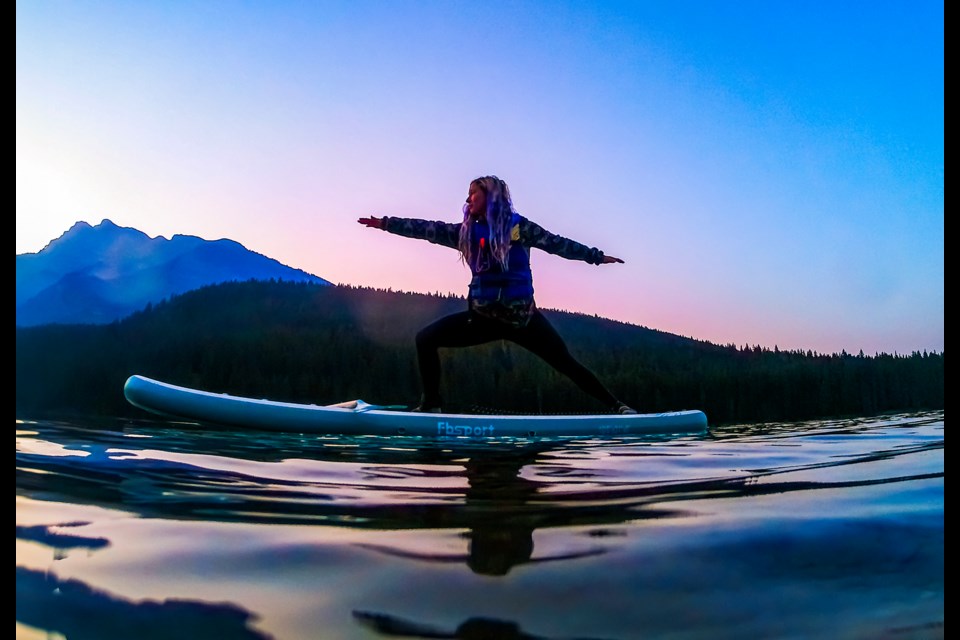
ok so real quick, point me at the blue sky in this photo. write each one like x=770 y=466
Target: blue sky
x=771 y=172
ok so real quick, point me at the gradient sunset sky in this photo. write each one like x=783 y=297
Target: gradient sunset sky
x=771 y=171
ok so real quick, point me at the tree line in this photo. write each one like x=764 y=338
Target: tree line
x=302 y=342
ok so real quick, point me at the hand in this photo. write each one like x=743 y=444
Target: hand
x=373 y=223
x=610 y=259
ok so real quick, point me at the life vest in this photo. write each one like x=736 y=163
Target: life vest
x=492 y=283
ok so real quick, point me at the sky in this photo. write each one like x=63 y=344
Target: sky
x=771 y=172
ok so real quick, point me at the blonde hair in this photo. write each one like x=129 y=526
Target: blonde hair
x=499 y=216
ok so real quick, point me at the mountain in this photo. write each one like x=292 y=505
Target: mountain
x=98 y=274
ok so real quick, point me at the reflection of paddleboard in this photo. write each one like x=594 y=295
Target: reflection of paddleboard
x=356 y=417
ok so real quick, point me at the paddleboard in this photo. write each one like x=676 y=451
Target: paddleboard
x=356 y=417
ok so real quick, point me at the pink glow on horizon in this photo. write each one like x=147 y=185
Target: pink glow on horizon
x=768 y=177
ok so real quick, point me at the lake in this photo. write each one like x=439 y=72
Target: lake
x=151 y=529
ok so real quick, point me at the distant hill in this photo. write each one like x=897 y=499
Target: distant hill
x=98 y=274
x=301 y=342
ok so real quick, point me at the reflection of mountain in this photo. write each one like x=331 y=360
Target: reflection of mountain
x=472 y=629
x=94 y=275
x=77 y=611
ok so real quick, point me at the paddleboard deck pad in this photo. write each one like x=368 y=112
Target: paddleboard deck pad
x=357 y=417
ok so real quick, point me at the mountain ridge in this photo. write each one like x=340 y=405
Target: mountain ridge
x=95 y=274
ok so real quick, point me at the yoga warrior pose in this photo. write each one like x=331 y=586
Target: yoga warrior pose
x=495 y=241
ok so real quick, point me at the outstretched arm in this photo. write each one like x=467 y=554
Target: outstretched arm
x=373 y=223
x=533 y=235
x=442 y=233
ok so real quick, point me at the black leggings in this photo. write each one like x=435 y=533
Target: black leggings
x=467 y=329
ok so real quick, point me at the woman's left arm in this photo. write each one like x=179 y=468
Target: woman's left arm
x=533 y=235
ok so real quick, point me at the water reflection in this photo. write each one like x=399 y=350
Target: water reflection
x=478 y=488
x=60 y=542
x=470 y=629
x=501 y=513
x=395 y=483
x=78 y=611
x=406 y=537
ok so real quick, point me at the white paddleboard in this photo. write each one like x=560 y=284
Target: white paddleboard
x=357 y=417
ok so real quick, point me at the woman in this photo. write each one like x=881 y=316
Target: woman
x=495 y=242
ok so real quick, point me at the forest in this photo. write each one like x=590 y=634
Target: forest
x=322 y=344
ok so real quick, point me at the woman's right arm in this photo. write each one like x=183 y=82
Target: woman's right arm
x=373 y=223
x=442 y=233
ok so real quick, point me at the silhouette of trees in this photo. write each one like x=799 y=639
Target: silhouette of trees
x=302 y=342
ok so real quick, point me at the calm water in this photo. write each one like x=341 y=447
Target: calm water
x=149 y=530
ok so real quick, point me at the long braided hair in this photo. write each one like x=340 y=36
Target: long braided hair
x=499 y=219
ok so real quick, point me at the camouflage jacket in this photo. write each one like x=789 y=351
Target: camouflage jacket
x=530 y=235
x=514 y=312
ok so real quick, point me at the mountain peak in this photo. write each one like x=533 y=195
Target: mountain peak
x=114 y=271
x=82 y=238
x=82 y=225
x=79 y=225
